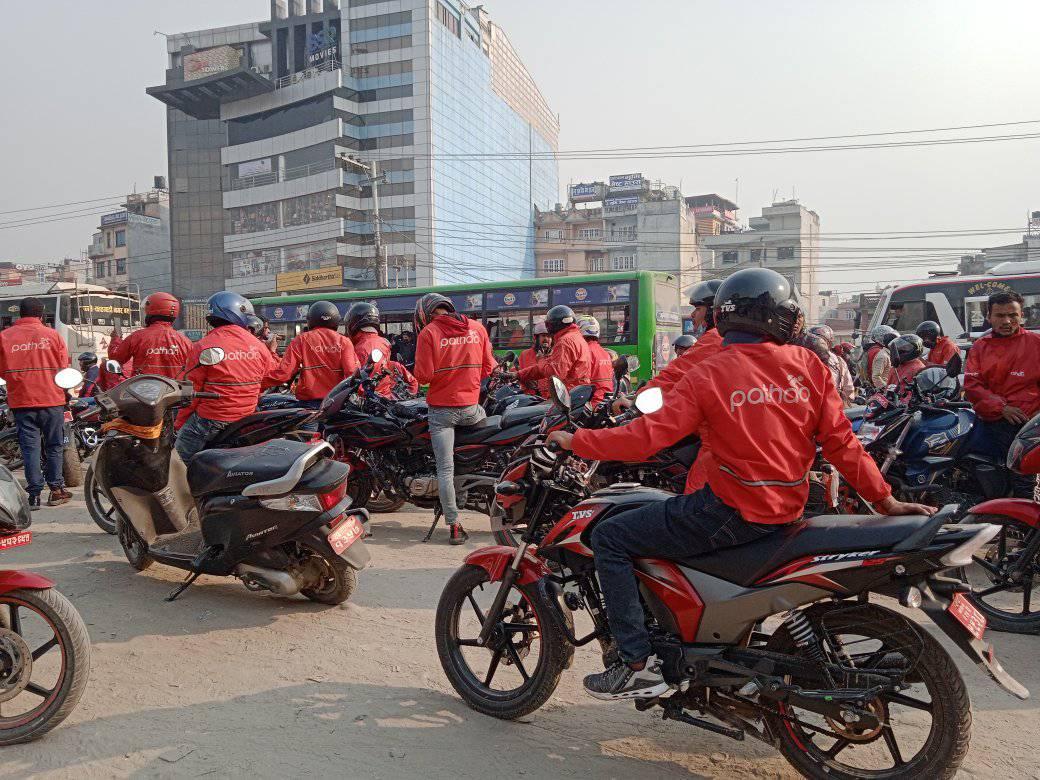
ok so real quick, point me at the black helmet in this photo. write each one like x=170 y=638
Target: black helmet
x=703 y=293
x=87 y=359
x=425 y=307
x=361 y=315
x=929 y=331
x=255 y=325
x=882 y=335
x=323 y=314
x=905 y=348
x=757 y=300
x=683 y=343
x=558 y=318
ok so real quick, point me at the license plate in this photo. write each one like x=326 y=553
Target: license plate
x=19 y=539
x=969 y=617
x=345 y=534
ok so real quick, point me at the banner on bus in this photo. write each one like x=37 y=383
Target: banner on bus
x=592 y=294
x=316 y=279
x=518 y=299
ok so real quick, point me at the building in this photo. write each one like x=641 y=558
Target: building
x=1026 y=250
x=785 y=238
x=265 y=118
x=131 y=249
x=625 y=224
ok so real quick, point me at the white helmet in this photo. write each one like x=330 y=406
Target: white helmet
x=588 y=326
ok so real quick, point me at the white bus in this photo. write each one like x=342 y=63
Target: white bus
x=84 y=314
x=958 y=303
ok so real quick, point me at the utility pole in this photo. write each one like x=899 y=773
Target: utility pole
x=373 y=179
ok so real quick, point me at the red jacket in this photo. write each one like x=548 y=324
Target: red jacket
x=707 y=345
x=902 y=376
x=1002 y=371
x=761 y=409
x=602 y=371
x=30 y=355
x=238 y=378
x=107 y=380
x=945 y=348
x=452 y=355
x=157 y=349
x=365 y=342
x=532 y=357
x=570 y=360
x=322 y=357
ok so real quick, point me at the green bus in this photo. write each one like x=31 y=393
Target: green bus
x=638 y=311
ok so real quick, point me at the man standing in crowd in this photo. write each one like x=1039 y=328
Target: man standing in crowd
x=237 y=379
x=570 y=359
x=157 y=348
x=452 y=355
x=30 y=355
x=404 y=349
x=1002 y=376
x=321 y=358
x=537 y=353
x=941 y=349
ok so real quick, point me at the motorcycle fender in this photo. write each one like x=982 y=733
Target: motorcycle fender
x=12 y=579
x=981 y=652
x=495 y=560
x=316 y=536
x=1021 y=509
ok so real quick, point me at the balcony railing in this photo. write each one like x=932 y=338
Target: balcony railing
x=289 y=174
x=97 y=250
x=303 y=75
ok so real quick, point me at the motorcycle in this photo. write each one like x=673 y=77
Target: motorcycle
x=498 y=395
x=75 y=442
x=273 y=514
x=44 y=645
x=839 y=686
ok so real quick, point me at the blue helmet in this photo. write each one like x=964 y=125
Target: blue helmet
x=230 y=307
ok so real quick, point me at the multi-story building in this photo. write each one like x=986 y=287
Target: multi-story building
x=131 y=248
x=264 y=117
x=785 y=238
x=625 y=224
x=1025 y=251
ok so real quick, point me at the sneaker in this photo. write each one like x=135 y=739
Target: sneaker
x=34 y=503
x=58 y=497
x=457 y=534
x=622 y=682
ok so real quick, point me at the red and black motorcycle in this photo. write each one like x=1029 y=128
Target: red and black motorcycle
x=843 y=687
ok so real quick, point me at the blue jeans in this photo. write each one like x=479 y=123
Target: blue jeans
x=34 y=426
x=195 y=434
x=443 y=420
x=678 y=528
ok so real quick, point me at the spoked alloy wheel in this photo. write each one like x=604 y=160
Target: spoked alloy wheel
x=519 y=668
x=924 y=728
x=102 y=511
x=44 y=663
x=1002 y=590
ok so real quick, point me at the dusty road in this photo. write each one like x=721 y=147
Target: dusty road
x=227 y=683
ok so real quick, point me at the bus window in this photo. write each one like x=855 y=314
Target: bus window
x=907 y=315
x=9 y=310
x=509 y=329
x=975 y=313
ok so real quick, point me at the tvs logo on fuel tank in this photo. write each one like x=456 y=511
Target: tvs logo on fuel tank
x=582 y=514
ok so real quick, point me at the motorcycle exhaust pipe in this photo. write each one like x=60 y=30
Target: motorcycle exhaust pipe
x=280 y=582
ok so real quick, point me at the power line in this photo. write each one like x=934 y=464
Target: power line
x=59 y=205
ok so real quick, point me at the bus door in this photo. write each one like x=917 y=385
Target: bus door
x=975 y=320
x=947 y=317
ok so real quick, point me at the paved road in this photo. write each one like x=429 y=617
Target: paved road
x=227 y=683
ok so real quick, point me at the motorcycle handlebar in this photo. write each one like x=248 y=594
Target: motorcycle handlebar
x=206 y=394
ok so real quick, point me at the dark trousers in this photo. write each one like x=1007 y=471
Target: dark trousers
x=41 y=429
x=1002 y=433
x=681 y=527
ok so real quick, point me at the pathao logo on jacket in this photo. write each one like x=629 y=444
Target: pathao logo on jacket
x=331 y=349
x=797 y=393
x=171 y=349
x=1017 y=373
x=31 y=345
x=471 y=337
x=240 y=354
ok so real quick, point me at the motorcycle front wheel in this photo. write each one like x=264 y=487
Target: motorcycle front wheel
x=45 y=655
x=102 y=511
x=1004 y=587
x=71 y=466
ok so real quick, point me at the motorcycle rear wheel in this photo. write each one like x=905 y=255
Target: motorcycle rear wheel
x=71 y=466
x=875 y=637
x=102 y=511
x=1010 y=605
x=384 y=504
x=338 y=579
x=359 y=489
x=53 y=614
x=530 y=628
x=10 y=451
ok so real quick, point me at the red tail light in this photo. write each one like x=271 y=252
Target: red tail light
x=329 y=500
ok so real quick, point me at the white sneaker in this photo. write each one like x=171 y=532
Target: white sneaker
x=622 y=682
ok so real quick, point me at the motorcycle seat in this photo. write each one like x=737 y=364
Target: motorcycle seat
x=826 y=535
x=524 y=414
x=412 y=408
x=231 y=470
x=474 y=434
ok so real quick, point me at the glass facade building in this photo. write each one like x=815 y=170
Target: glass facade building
x=261 y=118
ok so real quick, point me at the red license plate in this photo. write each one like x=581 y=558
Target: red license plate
x=19 y=539
x=68 y=416
x=345 y=534
x=969 y=617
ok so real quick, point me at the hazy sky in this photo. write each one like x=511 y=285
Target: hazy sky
x=77 y=123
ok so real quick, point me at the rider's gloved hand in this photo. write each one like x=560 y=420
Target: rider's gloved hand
x=620 y=404
x=561 y=438
x=892 y=506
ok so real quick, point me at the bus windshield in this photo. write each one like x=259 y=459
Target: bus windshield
x=9 y=310
x=104 y=310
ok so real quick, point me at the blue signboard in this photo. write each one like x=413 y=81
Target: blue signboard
x=518 y=299
x=627 y=181
x=592 y=294
x=583 y=190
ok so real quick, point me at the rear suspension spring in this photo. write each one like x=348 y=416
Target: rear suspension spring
x=804 y=636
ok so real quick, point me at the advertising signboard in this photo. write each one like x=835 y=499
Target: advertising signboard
x=626 y=182
x=322 y=46
x=309 y=280
x=200 y=64
x=519 y=299
x=592 y=294
x=585 y=192
x=115 y=218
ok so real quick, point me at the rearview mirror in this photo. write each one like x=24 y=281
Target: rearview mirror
x=558 y=393
x=68 y=378
x=633 y=363
x=113 y=367
x=211 y=356
x=649 y=401
x=375 y=356
x=953 y=368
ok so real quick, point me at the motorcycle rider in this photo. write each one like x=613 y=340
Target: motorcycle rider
x=569 y=359
x=1002 y=376
x=258 y=327
x=88 y=366
x=877 y=363
x=905 y=353
x=537 y=353
x=363 y=329
x=157 y=348
x=839 y=369
x=322 y=357
x=763 y=406
x=30 y=355
x=941 y=349
x=682 y=344
x=237 y=379
x=602 y=375
x=452 y=355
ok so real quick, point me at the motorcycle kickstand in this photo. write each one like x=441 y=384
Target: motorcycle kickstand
x=437 y=512
x=183 y=586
